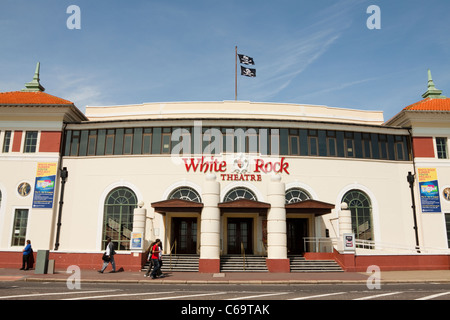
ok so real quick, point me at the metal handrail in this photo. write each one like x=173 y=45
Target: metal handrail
x=243 y=254
x=174 y=245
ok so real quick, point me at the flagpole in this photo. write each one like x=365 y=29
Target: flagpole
x=235 y=74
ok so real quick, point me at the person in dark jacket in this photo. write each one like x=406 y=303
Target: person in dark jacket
x=27 y=252
x=109 y=256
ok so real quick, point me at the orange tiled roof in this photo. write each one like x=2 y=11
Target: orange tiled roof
x=430 y=104
x=33 y=98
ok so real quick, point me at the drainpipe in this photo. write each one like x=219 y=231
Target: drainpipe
x=410 y=179
x=63 y=173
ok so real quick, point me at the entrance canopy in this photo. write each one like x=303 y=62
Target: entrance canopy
x=177 y=205
x=318 y=208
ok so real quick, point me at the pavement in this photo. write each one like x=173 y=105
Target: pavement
x=438 y=276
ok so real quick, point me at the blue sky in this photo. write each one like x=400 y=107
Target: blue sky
x=307 y=52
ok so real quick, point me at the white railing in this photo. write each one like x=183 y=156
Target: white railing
x=321 y=244
x=397 y=248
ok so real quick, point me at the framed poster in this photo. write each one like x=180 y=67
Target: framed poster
x=429 y=190
x=44 y=187
x=137 y=241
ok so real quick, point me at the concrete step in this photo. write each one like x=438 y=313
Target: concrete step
x=235 y=263
x=178 y=263
x=300 y=264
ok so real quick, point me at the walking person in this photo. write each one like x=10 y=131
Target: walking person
x=159 y=273
x=149 y=253
x=155 y=258
x=108 y=256
x=26 y=256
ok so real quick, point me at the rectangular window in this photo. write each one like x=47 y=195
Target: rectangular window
x=284 y=142
x=20 y=227
x=391 y=147
x=228 y=140
x=252 y=140
x=147 y=141
x=366 y=146
x=312 y=143
x=118 y=142
x=30 y=142
x=166 y=137
x=206 y=141
x=128 y=141
x=92 y=142
x=67 y=141
x=156 y=141
x=294 y=142
x=331 y=143
x=75 y=143
x=323 y=143
x=303 y=142
x=274 y=142
x=441 y=146
x=83 y=143
x=340 y=143
x=382 y=144
x=109 y=143
x=101 y=140
x=349 y=144
x=6 y=141
x=399 y=148
x=264 y=141
x=137 y=141
x=375 y=146
x=358 y=144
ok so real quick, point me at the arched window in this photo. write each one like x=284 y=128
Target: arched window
x=240 y=193
x=118 y=217
x=185 y=193
x=294 y=195
x=361 y=208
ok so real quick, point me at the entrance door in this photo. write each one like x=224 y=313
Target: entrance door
x=184 y=232
x=240 y=231
x=297 y=229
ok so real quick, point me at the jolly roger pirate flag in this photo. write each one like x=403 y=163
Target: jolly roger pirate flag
x=248 y=72
x=245 y=59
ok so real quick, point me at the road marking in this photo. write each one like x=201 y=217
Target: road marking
x=378 y=296
x=117 y=295
x=188 y=296
x=52 y=294
x=318 y=296
x=434 y=296
x=258 y=296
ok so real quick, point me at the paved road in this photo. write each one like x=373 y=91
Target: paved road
x=89 y=291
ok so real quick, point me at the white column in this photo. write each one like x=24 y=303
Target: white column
x=276 y=220
x=139 y=216
x=345 y=224
x=210 y=219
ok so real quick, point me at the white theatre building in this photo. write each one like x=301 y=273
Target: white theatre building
x=215 y=180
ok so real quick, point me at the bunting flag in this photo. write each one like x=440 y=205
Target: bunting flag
x=245 y=59
x=248 y=72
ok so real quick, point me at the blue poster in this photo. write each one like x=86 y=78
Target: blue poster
x=44 y=187
x=429 y=190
